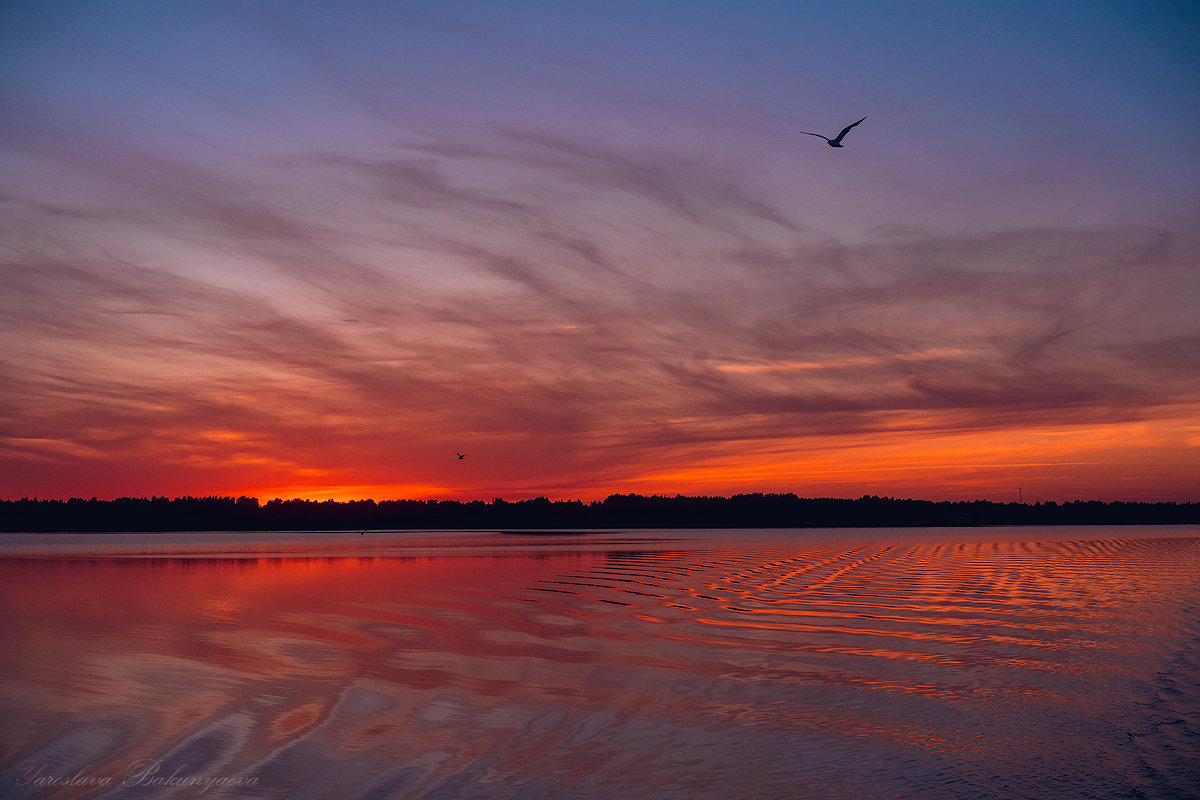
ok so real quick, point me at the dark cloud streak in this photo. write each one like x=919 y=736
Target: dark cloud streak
x=495 y=296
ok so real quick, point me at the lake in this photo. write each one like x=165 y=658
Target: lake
x=885 y=663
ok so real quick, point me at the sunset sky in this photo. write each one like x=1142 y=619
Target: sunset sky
x=314 y=249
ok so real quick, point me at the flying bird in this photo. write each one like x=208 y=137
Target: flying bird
x=837 y=141
x=461 y=456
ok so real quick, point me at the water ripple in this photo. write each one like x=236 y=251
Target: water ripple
x=771 y=668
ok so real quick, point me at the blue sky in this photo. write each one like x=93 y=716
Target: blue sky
x=310 y=248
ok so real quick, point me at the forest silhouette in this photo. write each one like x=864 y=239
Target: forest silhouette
x=616 y=511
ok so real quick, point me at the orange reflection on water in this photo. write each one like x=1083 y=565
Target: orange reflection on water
x=660 y=662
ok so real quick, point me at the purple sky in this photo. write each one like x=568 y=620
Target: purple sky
x=315 y=249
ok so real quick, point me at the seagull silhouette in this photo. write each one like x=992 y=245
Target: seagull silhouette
x=461 y=456
x=836 y=142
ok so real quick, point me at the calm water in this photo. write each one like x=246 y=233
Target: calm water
x=976 y=663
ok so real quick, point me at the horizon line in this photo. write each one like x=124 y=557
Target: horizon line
x=497 y=499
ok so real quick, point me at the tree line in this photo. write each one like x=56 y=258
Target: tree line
x=615 y=511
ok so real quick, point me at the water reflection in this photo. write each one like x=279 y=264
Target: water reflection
x=639 y=669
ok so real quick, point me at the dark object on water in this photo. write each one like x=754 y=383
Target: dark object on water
x=836 y=141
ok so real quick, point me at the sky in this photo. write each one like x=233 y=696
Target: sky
x=315 y=249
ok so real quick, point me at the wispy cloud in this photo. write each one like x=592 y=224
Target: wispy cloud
x=578 y=306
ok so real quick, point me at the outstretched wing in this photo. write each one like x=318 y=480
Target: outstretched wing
x=846 y=130
x=826 y=138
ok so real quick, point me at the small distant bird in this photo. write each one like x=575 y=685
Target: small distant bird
x=461 y=456
x=835 y=142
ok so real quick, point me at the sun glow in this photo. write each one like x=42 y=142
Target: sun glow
x=971 y=464
x=346 y=493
